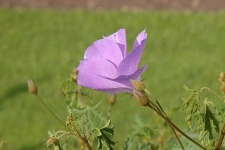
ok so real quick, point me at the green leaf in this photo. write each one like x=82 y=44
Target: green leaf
x=191 y=105
x=128 y=144
x=104 y=136
x=51 y=133
x=58 y=146
x=210 y=122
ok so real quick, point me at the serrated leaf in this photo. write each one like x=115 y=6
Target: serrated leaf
x=210 y=122
x=104 y=135
x=128 y=144
x=202 y=135
x=191 y=106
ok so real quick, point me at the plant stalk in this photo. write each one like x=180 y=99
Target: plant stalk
x=84 y=139
x=156 y=109
x=50 y=111
x=222 y=133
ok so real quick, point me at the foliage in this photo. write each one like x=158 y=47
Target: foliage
x=203 y=115
x=104 y=134
x=83 y=119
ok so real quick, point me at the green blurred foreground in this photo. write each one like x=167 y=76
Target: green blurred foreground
x=46 y=45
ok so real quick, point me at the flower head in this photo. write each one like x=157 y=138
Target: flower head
x=108 y=67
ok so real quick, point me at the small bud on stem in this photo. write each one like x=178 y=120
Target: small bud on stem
x=112 y=100
x=141 y=98
x=32 y=87
x=74 y=76
x=139 y=93
x=51 y=141
x=138 y=85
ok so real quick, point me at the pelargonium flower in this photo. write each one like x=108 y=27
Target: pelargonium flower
x=108 y=67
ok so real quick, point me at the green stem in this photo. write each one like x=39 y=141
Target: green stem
x=109 y=112
x=156 y=109
x=85 y=119
x=160 y=110
x=208 y=89
x=178 y=139
x=64 y=134
x=174 y=132
x=84 y=139
x=50 y=111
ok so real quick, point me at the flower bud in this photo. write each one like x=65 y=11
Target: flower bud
x=141 y=97
x=32 y=87
x=74 y=76
x=139 y=92
x=138 y=85
x=51 y=141
x=112 y=100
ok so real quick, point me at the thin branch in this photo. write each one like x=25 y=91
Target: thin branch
x=208 y=89
x=222 y=133
x=156 y=109
x=83 y=139
x=174 y=132
x=50 y=111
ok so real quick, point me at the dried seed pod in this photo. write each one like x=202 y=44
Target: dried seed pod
x=141 y=97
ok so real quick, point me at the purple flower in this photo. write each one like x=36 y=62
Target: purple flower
x=107 y=67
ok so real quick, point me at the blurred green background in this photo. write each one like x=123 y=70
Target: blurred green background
x=46 y=45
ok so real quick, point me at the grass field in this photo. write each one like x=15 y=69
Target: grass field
x=45 y=45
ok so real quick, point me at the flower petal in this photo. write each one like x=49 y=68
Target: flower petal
x=94 y=73
x=137 y=74
x=125 y=80
x=106 y=49
x=120 y=38
x=130 y=63
x=141 y=36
